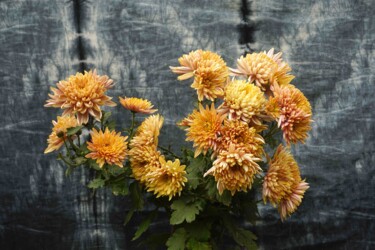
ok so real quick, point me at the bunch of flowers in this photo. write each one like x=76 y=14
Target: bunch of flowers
x=242 y=117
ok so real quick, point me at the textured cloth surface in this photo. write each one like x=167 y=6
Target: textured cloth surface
x=329 y=44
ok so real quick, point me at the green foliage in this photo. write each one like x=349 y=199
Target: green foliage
x=144 y=225
x=96 y=183
x=74 y=130
x=185 y=211
x=177 y=240
x=242 y=237
x=193 y=244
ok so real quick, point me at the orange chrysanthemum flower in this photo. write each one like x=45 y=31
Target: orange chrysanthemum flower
x=280 y=74
x=242 y=137
x=257 y=67
x=243 y=101
x=292 y=111
x=82 y=95
x=148 y=132
x=167 y=180
x=137 y=105
x=282 y=185
x=204 y=129
x=142 y=160
x=209 y=70
x=108 y=147
x=63 y=123
x=234 y=170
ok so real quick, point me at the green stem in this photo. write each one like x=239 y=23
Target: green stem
x=67 y=162
x=67 y=148
x=132 y=126
x=169 y=152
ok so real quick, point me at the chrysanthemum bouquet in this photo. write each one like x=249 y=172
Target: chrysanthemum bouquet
x=210 y=193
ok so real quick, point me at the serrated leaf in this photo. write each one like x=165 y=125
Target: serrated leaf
x=213 y=193
x=242 y=237
x=194 y=176
x=96 y=183
x=73 y=131
x=184 y=212
x=177 y=240
x=199 y=230
x=193 y=244
x=145 y=224
x=106 y=116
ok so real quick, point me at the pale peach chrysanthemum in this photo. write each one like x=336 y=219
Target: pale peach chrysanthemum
x=82 y=95
x=280 y=74
x=168 y=179
x=292 y=111
x=137 y=105
x=204 y=129
x=257 y=67
x=282 y=185
x=242 y=137
x=63 y=123
x=148 y=132
x=209 y=71
x=142 y=160
x=234 y=170
x=107 y=147
x=243 y=101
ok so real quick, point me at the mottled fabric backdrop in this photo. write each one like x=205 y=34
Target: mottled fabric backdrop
x=329 y=44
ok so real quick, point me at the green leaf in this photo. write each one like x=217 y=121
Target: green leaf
x=80 y=160
x=184 y=211
x=243 y=237
x=250 y=211
x=177 y=240
x=136 y=195
x=128 y=216
x=111 y=125
x=145 y=224
x=120 y=187
x=193 y=244
x=84 y=149
x=96 y=183
x=199 y=230
x=106 y=116
x=73 y=131
x=213 y=193
x=194 y=176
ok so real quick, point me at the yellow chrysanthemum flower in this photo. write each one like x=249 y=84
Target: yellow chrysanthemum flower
x=234 y=170
x=292 y=111
x=282 y=185
x=137 y=105
x=242 y=137
x=148 y=132
x=82 y=95
x=257 y=67
x=209 y=70
x=167 y=180
x=63 y=123
x=142 y=160
x=243 y=101
x=108 y=147
x=204 y=129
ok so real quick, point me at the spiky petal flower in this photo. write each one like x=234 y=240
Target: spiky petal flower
x=292 y=111
x=242 y=137
x=204 y=129
x=234 y=170
x=209 y=71
x=282 y=185
x=144 y=155
x=63 y=123
x=257 y=67
x=137 y=105
x=168 y=179
x=243 y=101
x=82 y=95
x=107 y=147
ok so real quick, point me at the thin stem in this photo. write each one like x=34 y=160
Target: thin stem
x=168 y=151
x=132 y=126
x=72 y=144
x=79 y=141
x=67 y=149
